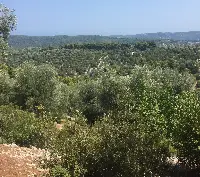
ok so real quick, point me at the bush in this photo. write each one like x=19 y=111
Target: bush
x=185 y=127
x=108 y=149
x=87 y=100
x=35 y=85
x=198 y=84
x=23 y=128
x=58 y=171
x=6 y=87
x=3 y=50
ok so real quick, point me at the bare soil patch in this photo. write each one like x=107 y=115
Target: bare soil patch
x=18 y=161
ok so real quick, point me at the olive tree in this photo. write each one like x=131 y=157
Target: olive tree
x=3 y=51
x=8 y=21
x=35 y=86
x=6 y=87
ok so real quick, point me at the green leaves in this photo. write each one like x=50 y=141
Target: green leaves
x=185 y=134
x=35 y=85
x=108 y=149
x=6 y=87
x=137 y=114
x=8 y=21
x=23 y=128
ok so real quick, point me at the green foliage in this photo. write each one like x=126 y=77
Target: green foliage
x=69 y=42
x=161 y=39
x=23 y=128
x=35 y=85
x=108 y=149
x=6 y=87
x=198 y=84
x=67 y=62
x=138 y=103
x=110 y=92
x=73 y=62
x=7 y=21
x=88 y=94
x=58 y=171
x=185 y=132
x=142 y=46
x=99 y=46
x=3 y=50
x=131 y=103
x=65 y=101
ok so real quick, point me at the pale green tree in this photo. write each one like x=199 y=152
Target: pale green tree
x=8 y=21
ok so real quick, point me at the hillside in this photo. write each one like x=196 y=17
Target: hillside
x=21 y=41
x=180 y=36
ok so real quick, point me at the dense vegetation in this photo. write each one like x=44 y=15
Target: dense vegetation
x=20 y=41
x=126 y=108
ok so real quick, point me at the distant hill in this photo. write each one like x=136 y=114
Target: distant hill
x=180 y=36
x=21 y=41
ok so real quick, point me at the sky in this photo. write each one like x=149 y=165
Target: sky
x=104 y=17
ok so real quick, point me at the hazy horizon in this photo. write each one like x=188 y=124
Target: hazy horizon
x=113 y=17
x=102 y=35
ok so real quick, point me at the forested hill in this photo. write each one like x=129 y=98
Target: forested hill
x=185 y=36
x=178 y=36
x=21 y=41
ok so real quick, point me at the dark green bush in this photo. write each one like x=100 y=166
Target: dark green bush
x=87 y=101
x=6 y=87
x=198 y=84
x=197 y=76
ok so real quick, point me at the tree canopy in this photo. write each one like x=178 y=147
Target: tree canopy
x=8 y=21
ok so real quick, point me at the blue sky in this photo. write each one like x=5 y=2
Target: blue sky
x=104 y=17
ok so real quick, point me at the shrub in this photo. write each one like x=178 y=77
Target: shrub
x=35 y=85
x=198 y=84
x=3 y=50
x=59 y=171
x=23 y=128
x=87 y=100
x=185 y=127
x=6 y=87
x=108 y=149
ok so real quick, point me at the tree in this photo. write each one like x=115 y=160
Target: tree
x=8 y=21
x=35 y=86
x=6 y=86
x=3 y=50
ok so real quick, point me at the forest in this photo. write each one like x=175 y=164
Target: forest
x=127 y=109
x=22 y=41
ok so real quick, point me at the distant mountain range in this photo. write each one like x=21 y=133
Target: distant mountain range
x=180 y=36
x=21 y=41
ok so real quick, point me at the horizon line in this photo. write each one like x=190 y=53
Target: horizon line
x=112 y=35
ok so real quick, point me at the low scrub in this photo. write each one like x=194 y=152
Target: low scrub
x=107 y=149
x=23 y=128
